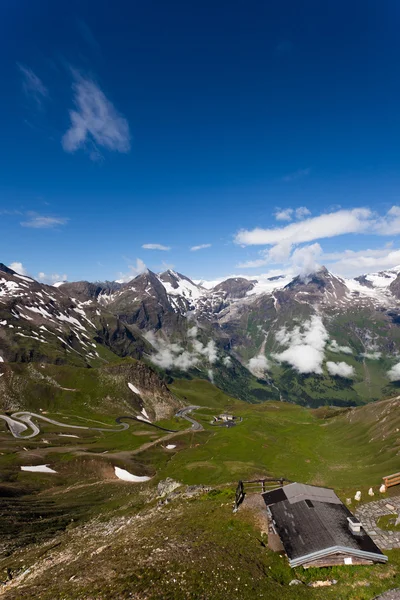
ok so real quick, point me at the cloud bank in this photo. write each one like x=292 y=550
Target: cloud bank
x=282 y=242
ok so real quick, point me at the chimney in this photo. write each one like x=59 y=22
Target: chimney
x=354 y=524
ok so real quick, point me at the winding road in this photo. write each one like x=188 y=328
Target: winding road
x=183 y=413
x=19 y=422
x=17 y=427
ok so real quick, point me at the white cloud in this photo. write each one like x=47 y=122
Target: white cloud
x=52 y=278
x=287 y=214
x=283 y=240
x=296 y=174
x=340 y=369
x=394 y=372
x=305 y=260
x=350 y=262
x=43 y=222
x=210 y=375
x=302 y=212
x=258 y=365
x=95 y=122
x=302 y=261
x=155 y=247
x=18 y=267
x=305 y=346
x=171 y=355
x=335 y=347
x=200 y=247
x=209 y=351
x=324 y=226
x=376 y=355
x=134 y=270
x=284 y=214
x=33 y=85
x=227 y=361
x=192 y=332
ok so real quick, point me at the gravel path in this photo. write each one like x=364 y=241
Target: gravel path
x=368 y=515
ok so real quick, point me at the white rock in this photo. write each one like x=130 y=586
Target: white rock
x=357 y=496
x=371 y=492
x=382 y=489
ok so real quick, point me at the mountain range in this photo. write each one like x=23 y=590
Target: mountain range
x=314 y=340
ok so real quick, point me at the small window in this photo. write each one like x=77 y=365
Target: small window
x=348 y=560
x=309 y=503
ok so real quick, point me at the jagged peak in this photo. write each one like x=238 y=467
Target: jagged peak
x=321 y=278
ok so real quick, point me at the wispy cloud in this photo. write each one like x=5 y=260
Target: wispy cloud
x=156 y=247
x=296 y=174
x=134 y=270
x=302 y=212
x=287 y=214
x=284 y=214
x=96 y=122
x=32 y=85
x=351 y=262
x=200 y=247
x=51 y=278
x=43 y=222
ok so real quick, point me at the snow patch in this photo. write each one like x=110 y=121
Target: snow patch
x=134 y=389
x=39 y=469
x=126 y=476
x=144 y=413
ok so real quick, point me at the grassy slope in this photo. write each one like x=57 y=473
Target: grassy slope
x=196 y=549
x=208 y=549
x=281 y=439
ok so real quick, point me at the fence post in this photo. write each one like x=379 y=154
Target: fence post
x=239 y=497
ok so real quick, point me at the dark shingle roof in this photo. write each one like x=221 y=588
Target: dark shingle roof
x=313 y=520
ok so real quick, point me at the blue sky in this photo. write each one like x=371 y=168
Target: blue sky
x=180 y=124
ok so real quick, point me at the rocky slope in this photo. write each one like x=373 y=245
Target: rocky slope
x=315 y=340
